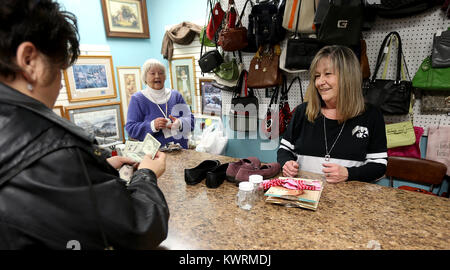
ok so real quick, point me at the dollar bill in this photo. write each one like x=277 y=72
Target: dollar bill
x=150 y=145
x=137 y=150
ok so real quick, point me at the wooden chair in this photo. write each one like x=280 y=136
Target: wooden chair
x=421 y=171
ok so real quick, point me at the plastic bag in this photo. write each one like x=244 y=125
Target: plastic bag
x=213 y=140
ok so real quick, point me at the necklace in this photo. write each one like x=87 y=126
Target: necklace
x=327 y=153
x=157 y=105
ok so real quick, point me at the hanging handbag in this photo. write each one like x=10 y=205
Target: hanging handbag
x=400 y=134
x=364 y=60
x=232 y=38
x=285 y=110
x=244 y=110
x=205 y=40
x=270 y=123
x=440 y=55
x=217 y=15
x=299 y=16
x=393 y=97
x=251 y=38
x=342 y=23
x=408 y=150
x=402 y=8
x=267 y=21
x=264 y=71
x=435 y=102
x=211 y=59
x=429 y=78
x=300 y=51
x=229 y=69
x=438 y=145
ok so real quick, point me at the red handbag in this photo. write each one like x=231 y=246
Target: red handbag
x=270 y=122
x=285 y=110
x=215 y=22
x=408 y=150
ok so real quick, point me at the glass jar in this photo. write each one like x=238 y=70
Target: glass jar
x=258 y=189
x=244 y=197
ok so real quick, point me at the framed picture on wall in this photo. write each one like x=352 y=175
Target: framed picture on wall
x=125 y=18
x=211 y=98
x=59 y=110
x=182 y=79
x=129 y=83
x=103 y=120
x=90 y=78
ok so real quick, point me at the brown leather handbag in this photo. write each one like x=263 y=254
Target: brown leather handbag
x=364 y=61
x=232 y=38
x=264 y=71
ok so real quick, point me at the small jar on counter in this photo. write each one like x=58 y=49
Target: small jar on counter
x=258 y=190
x=244 y=197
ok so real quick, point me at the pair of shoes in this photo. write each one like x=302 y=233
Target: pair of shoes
x=267 y=171
x=234 y=167
x=216 y=177
x=195 y=175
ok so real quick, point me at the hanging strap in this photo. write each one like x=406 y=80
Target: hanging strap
x=382 y=53
x=239 y=22
x=297 y=78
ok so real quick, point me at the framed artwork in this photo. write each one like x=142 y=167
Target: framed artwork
x=129 y=83
x=125 y=18
x=59 y=110
x=182 y=79
x=103 y=120
x=211 y=98
x=90 y=78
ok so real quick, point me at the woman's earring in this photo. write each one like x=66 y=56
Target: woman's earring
x=29 y=87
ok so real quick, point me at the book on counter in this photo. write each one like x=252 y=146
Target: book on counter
x=308 y=199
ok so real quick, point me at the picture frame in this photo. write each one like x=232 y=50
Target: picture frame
x=125 y=18
x=103 y=120
x=183 y=79
x=129 y=79
x=211 y=97
x=59 y=110
x=90 y=78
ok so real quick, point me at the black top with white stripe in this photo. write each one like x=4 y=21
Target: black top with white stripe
x=361 y=147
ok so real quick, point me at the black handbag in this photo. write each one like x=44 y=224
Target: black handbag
x=403 y=8
x=212 y=59
x=301 y=51
x=342 y=23
x=440 y=56
x=268 y=22
x=393 y=97
x=244 y=109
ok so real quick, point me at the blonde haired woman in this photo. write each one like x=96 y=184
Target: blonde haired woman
x=334 y=132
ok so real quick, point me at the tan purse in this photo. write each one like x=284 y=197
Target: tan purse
x=264 y=71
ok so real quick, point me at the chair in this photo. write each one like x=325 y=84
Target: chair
x=421 y=171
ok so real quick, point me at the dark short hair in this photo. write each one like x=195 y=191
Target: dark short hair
x=53 y=31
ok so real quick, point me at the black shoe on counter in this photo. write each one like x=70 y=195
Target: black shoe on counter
x=216 y=177
x=195 y=175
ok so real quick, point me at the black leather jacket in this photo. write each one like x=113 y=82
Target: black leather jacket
x=56 y=186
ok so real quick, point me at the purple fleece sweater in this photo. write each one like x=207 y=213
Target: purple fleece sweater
x=141 y=112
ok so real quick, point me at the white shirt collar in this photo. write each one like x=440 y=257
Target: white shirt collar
x=157 y=96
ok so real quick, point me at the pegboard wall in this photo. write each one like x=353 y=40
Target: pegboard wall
x=416 y=33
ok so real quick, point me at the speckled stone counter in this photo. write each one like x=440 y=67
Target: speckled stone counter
x=351 y=215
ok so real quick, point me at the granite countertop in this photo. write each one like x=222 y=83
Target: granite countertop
x=351 y=215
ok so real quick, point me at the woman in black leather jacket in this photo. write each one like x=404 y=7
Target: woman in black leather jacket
x=57 y=188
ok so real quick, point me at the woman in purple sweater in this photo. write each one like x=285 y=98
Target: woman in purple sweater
x=157 y=110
